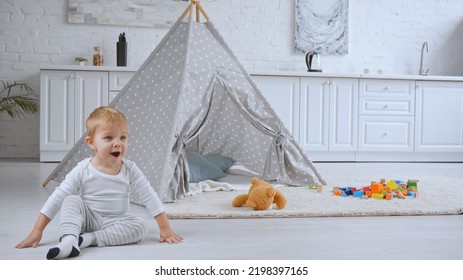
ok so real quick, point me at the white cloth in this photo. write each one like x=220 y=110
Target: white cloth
x=209 y=186
x=108 y=195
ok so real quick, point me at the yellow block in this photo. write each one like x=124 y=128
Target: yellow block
x=392 y=185
x=377 y=195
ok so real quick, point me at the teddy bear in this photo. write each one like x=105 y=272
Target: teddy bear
x=261 y=196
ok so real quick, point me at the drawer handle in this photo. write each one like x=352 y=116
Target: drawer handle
x=386 y=133
x=386 y=106
x=387 y=88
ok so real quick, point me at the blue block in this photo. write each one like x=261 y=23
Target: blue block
x=411 y=194
x=359 y=193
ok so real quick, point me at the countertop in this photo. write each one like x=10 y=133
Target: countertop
x=271 y=73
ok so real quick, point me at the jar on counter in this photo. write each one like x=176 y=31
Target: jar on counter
x=98 y=59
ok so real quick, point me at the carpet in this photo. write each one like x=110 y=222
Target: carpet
x=437 y=196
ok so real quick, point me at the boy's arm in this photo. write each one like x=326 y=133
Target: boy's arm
x=36 y=234
x=165 y=231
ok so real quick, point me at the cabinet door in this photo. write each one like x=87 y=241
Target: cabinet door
x=283 y=95
x=343 y=114
x=91 y=91
x=56 y=111
x=315 y=98
x=439 y=117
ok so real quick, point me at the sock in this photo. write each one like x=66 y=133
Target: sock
x=87 y=239
x=67 y=248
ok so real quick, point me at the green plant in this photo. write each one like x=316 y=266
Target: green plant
x=16 y=99
x=80 y=59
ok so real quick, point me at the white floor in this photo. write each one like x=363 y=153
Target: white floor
x=343 y=238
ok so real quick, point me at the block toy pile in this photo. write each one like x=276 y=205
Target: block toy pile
x=382 y=190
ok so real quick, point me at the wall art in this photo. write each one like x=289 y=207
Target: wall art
x=322 y=26
x=143 y=13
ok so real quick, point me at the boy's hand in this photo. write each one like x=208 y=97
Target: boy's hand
x=32 y=240
x=36 y=234
x=169 y=236
x=165 y=231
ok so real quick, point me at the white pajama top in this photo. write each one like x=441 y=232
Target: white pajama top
x=109 y=195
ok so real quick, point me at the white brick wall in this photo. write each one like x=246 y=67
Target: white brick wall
x=383 y=34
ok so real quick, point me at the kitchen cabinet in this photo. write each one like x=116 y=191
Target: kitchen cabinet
x=386 y=121
x=282 y=93
x=333 y=117
x=117 y=81
x=329 y=114
x=321 y=113
x=66 y=99
x=439 y=117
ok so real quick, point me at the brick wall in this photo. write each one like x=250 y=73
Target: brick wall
x=382 y=35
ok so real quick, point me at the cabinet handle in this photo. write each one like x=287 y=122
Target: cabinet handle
x=418 y=85
x=386 y=133
x=386 y=106
x=387 y=88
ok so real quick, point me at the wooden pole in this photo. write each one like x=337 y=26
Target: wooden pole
x=198 y=5
x=187 y=10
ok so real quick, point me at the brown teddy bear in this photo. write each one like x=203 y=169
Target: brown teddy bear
x=261 y=196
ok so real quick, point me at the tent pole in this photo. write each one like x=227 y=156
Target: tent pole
x=198 y=5
x=187 y=10
x=197 y=12
x=45 y=182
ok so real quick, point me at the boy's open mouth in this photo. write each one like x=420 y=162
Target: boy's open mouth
x=116 y=154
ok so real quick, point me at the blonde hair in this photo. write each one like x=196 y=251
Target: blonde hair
x=105 y=116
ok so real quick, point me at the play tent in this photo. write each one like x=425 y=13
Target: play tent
x=193 y=94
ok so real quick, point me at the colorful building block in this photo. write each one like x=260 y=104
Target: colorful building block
x=376 y=187
x=392 y=185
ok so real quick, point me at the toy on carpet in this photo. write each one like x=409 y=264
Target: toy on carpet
x=382 y=190
x=261 y=196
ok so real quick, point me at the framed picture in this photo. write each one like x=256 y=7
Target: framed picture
x=322 y=26
x=143 y=13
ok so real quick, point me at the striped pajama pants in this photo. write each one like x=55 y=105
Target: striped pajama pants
x=76 y=218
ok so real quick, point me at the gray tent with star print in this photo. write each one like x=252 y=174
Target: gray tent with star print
x=193 y=94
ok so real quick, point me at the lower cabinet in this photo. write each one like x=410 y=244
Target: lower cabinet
x=66 y=99
x=439 y=117
x=329 y=114
x=332 y=118
x=370 y=119
x=321 y=113
x=386 y=121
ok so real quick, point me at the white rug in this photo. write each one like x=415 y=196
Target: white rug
x=437 y=196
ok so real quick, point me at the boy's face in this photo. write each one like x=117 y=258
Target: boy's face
x=109 y=143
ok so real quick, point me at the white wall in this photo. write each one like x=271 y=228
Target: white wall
x=383 y=34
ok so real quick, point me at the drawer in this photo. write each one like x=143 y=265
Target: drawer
x=391 y=133
x=117 y=80
x=403 y=89
x=375 y=106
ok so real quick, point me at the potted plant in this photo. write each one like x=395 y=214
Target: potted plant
x=16 y=99
x=80 y=60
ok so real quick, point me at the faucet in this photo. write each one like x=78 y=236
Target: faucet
x=422 y=72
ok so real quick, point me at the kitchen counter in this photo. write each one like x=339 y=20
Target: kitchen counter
x=74 y=67
x=273 y=73
x=363 y=76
